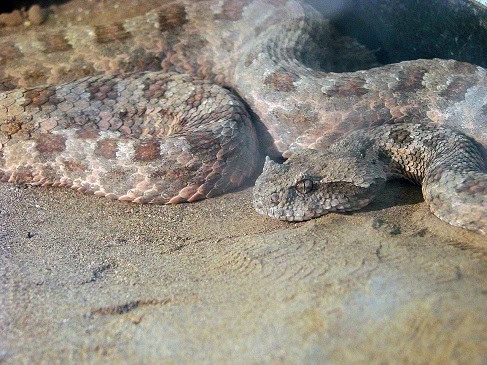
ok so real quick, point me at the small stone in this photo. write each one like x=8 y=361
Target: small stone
x=377 y=222
x=37 y=15
x=11 y=19
x=394 y=230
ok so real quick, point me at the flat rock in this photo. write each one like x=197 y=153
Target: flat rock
x=85 y=279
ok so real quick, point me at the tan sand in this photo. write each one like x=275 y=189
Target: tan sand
x=90 y=280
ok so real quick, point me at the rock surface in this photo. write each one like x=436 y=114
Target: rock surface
x=85 y=279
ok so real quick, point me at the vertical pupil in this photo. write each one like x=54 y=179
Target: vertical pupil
x=304 y=186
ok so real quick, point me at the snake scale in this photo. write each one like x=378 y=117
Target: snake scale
x=177 y=105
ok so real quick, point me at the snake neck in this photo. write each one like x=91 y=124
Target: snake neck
x=422 y=153
x=455 y=188
x=448 y=165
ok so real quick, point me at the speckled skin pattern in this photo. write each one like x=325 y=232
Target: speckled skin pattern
x=448 y=165
x=283 y=59
x=149 y=138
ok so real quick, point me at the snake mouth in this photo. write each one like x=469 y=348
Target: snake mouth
x=288 y=215
x=295 y=216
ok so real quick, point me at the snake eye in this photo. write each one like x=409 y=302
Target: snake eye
x=304 y=186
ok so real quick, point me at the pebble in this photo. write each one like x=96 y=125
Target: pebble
x=11 y=19
x=36 y=14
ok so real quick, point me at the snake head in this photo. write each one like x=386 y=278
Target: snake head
x=312 y=183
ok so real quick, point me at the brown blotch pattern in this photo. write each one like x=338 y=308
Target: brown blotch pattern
x=8 y=83
x=141 y=60
x=172 y=17
x=47 y=143
x=457 y=89
x=410 y=80
x=251 y=57
x=110 y=33
x=188 y=58
x=36 y=98
x=103 y=89
x=349 y=88
x=38 y=75
x=154 y=89
x=473 y=187
x=464 y=67
x=147 y=150
x=9 y=51
x=55 y=43
x=280 y=81
x=77 y=69
x=75 y=166
x=107 y=148
x=232 y=10
x=195 y=99
x=87 y=133
x=401 y=136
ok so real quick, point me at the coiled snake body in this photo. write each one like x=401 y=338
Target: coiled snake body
x=171 y=134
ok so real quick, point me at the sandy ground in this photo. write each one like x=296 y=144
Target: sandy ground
x=88 y=280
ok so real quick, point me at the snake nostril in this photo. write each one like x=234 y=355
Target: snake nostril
x=275 y=198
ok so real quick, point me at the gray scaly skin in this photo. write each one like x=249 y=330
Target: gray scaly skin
x=448 y=165
x=161 y=138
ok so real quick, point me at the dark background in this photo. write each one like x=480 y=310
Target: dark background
x=8 y=6
x=410 y=29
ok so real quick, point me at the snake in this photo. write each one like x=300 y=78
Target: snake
x=183 y=102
